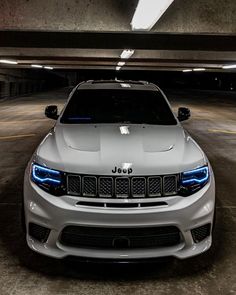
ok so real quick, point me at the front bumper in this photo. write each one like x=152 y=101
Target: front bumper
x=55 y=213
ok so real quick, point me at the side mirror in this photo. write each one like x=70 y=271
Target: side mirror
x=183 y=114
x=51 y=112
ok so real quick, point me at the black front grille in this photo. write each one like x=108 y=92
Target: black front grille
x=169 y=185
x=105 y=186
x=94 y=237
x=138 y=186
x=200 y=233
x=122 y=187
x=154 y=188
x=38 y=232
x=89 y=186
x=74 y=184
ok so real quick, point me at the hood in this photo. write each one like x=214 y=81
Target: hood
x=99 y=149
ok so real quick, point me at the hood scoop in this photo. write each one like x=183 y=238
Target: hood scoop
x=91 y=138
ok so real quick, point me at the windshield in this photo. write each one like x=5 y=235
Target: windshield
x=118 y=106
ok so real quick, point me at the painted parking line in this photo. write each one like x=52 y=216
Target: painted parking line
x=22 y=121
x=19 y=136
x=222 y=131
x=226 y=207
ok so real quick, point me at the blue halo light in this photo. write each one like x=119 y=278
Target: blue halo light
x=47 y=175
x=196 y=176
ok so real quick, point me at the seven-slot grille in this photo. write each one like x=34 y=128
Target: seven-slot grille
x=121 y=186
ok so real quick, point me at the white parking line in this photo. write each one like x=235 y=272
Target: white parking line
x=225 y=207
x=23 y=121
x=19 y=136
x=222 y=131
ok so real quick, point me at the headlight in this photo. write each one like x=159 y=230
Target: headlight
x=193 y=180
x=50 y=180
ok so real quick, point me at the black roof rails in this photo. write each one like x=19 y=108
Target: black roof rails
x=118 y=81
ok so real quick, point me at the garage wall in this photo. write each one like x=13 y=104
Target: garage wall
x=20 y=82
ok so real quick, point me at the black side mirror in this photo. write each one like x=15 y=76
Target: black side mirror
x=51 y=112
x=183 y=114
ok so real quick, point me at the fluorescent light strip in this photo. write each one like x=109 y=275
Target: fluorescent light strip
x=125 y=85
x=187 y=70
x=229 y=67
x=127 y=53
x=199 y=69
x=36 y=66
x=10 y=62
x=124 y=130
x=48 y=68
x=121 y=63
x=148 y=13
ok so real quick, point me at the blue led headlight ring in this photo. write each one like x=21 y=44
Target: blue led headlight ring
x=47 y=179
x=204 y=170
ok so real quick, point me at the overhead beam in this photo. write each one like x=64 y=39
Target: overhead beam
x=118 y=40
x=69 y=59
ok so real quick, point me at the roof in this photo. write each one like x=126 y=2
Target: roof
x=117 y=84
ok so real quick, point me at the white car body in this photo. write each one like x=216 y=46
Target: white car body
x=113 y=150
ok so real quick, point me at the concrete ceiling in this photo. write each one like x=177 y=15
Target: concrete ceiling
x=72 y=34
x=183 y=16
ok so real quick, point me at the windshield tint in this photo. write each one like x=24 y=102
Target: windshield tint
x=118 y=106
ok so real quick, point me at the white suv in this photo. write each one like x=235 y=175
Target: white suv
x=118 y=178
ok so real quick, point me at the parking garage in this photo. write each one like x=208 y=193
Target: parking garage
x=47 y=48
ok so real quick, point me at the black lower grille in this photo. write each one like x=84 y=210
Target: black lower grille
x=93 y=237
x=200 y=233
x=39 y=232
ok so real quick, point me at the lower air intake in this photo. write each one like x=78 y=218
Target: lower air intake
x=38 y=232
x=200 y=233
x=95 y=237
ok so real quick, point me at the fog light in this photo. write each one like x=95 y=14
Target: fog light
x=38 y=232
x=200 y=233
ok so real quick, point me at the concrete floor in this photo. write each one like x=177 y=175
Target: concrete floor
x=23 y=125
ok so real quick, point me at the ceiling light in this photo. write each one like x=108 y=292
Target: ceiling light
x=48 y=68
x=10 y=62
x=229 y=67
x=125 y=85
x=127 y=53
x=124 y=130
x=118 y=68
x=36 y=66
x=121 y=63
x=148 y=12
x=187 y=70
x=199 y=69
